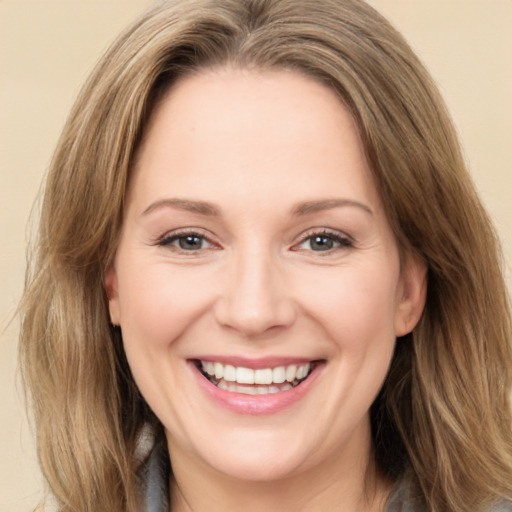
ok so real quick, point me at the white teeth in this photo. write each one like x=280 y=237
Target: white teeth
x=209 y=368
x=261 y=376
x=291 y=372
x=219 y=370
x=229 y=373
x=303 y=371
x=244 y=375
x=246 y=390
x=279 y=374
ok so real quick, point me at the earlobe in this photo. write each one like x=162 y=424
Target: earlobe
x=112 y=295
x=412 y=295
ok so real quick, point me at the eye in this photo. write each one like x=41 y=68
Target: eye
x=324 y=242
x=186 y=241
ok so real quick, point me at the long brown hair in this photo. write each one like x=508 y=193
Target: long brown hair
x=442 y=419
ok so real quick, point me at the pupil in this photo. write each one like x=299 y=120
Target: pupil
x=321 y=243
x=190 y=242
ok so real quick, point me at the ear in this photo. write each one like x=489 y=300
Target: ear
x=411 y=294
x=112 y=295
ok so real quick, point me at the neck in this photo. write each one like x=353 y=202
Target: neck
x=342 y=484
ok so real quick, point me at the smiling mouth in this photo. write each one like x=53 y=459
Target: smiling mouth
x=261 y=381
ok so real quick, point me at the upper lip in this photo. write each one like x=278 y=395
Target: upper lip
x=255 y=363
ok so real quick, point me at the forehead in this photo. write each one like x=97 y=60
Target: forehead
x=240 y=101
x=252 y=131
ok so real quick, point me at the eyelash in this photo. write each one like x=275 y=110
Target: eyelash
x=168 y=240
x=343 y=241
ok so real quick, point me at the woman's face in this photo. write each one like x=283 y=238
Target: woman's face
x=257 y=281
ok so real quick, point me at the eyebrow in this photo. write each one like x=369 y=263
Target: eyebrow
x=327 y=204
x=189 y=205
x=209 y=209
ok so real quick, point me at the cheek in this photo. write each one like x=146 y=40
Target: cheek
x=354 y=304
x=157 y=304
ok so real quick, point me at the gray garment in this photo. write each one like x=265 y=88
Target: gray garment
x=154 y=480
x=401 y=501
x=154 y=485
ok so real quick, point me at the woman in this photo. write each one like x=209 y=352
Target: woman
x=262 y=262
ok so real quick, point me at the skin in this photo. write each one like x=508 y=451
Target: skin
x=261 y=148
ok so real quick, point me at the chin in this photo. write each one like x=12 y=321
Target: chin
x=258 y=456
x=255 y=469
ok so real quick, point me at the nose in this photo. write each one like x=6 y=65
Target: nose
x=255 y=298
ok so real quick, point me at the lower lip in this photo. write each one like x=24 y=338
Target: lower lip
x=256 y=405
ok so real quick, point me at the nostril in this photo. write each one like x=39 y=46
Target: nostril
x=250 y=318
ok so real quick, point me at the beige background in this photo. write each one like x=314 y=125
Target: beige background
x=47 y=48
